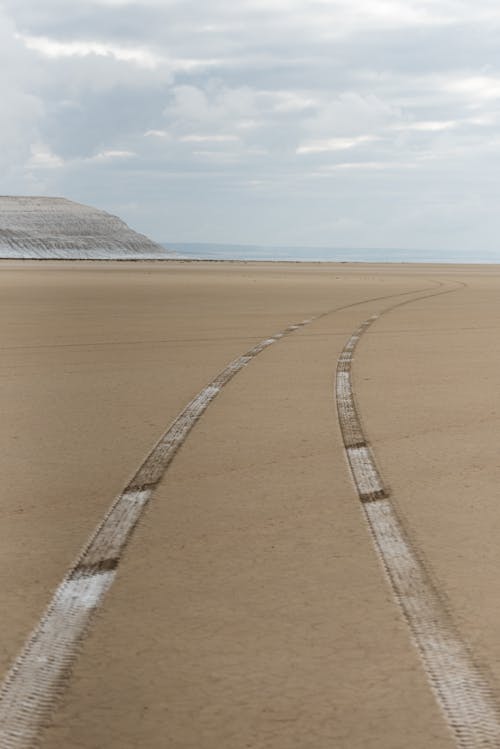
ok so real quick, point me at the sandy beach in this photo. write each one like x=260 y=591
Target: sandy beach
x=250 y=607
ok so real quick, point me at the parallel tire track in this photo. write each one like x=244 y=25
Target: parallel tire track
x=461 y=689
x=40 y=672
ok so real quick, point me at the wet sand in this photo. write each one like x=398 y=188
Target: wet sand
x=250 y=608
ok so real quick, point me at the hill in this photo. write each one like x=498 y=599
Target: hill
x=56 y=228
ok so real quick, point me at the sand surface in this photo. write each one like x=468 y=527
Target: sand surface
x=250 y=608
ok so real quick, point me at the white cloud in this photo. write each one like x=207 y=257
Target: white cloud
x=214 y=138
x=222 y=157
x=363 y=166
x=56 y=49
x=474 y=87
x=141 y=57
x=427 y=127
x=293 y=101
x=351 y=113
x=212 y=105
x=43 y=158
x=157 y=134
x=109 y=155
x=335 y=144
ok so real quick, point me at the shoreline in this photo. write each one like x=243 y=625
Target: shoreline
x=434 y=264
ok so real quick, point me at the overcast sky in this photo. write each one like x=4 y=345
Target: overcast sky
x=372 y=123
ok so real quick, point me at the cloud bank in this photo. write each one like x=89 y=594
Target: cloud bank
x=370 y=123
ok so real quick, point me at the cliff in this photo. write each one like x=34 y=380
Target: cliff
x=56 y=228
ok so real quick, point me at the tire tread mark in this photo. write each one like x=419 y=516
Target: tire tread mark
x=40 y=672
x=461 y=688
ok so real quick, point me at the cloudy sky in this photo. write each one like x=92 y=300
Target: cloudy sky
x=369 y=123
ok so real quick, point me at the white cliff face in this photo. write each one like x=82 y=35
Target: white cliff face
x=56 y=228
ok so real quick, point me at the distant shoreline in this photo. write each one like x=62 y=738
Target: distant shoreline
x=262 y=253
x=17 y=263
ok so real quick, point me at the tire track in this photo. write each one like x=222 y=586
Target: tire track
x=37 y=677
x=463 y=692
x=41 y=670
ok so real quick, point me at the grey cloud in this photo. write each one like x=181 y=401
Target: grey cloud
x=272 y=122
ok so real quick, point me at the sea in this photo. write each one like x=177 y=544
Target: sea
x=204 y=251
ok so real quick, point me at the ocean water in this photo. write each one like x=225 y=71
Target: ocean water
x=200 y=251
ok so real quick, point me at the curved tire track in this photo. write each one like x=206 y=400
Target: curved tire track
x=463 y=692
x=37 y=678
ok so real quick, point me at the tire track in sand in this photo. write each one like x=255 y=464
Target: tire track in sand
x=37 y=678
x=463 y=692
